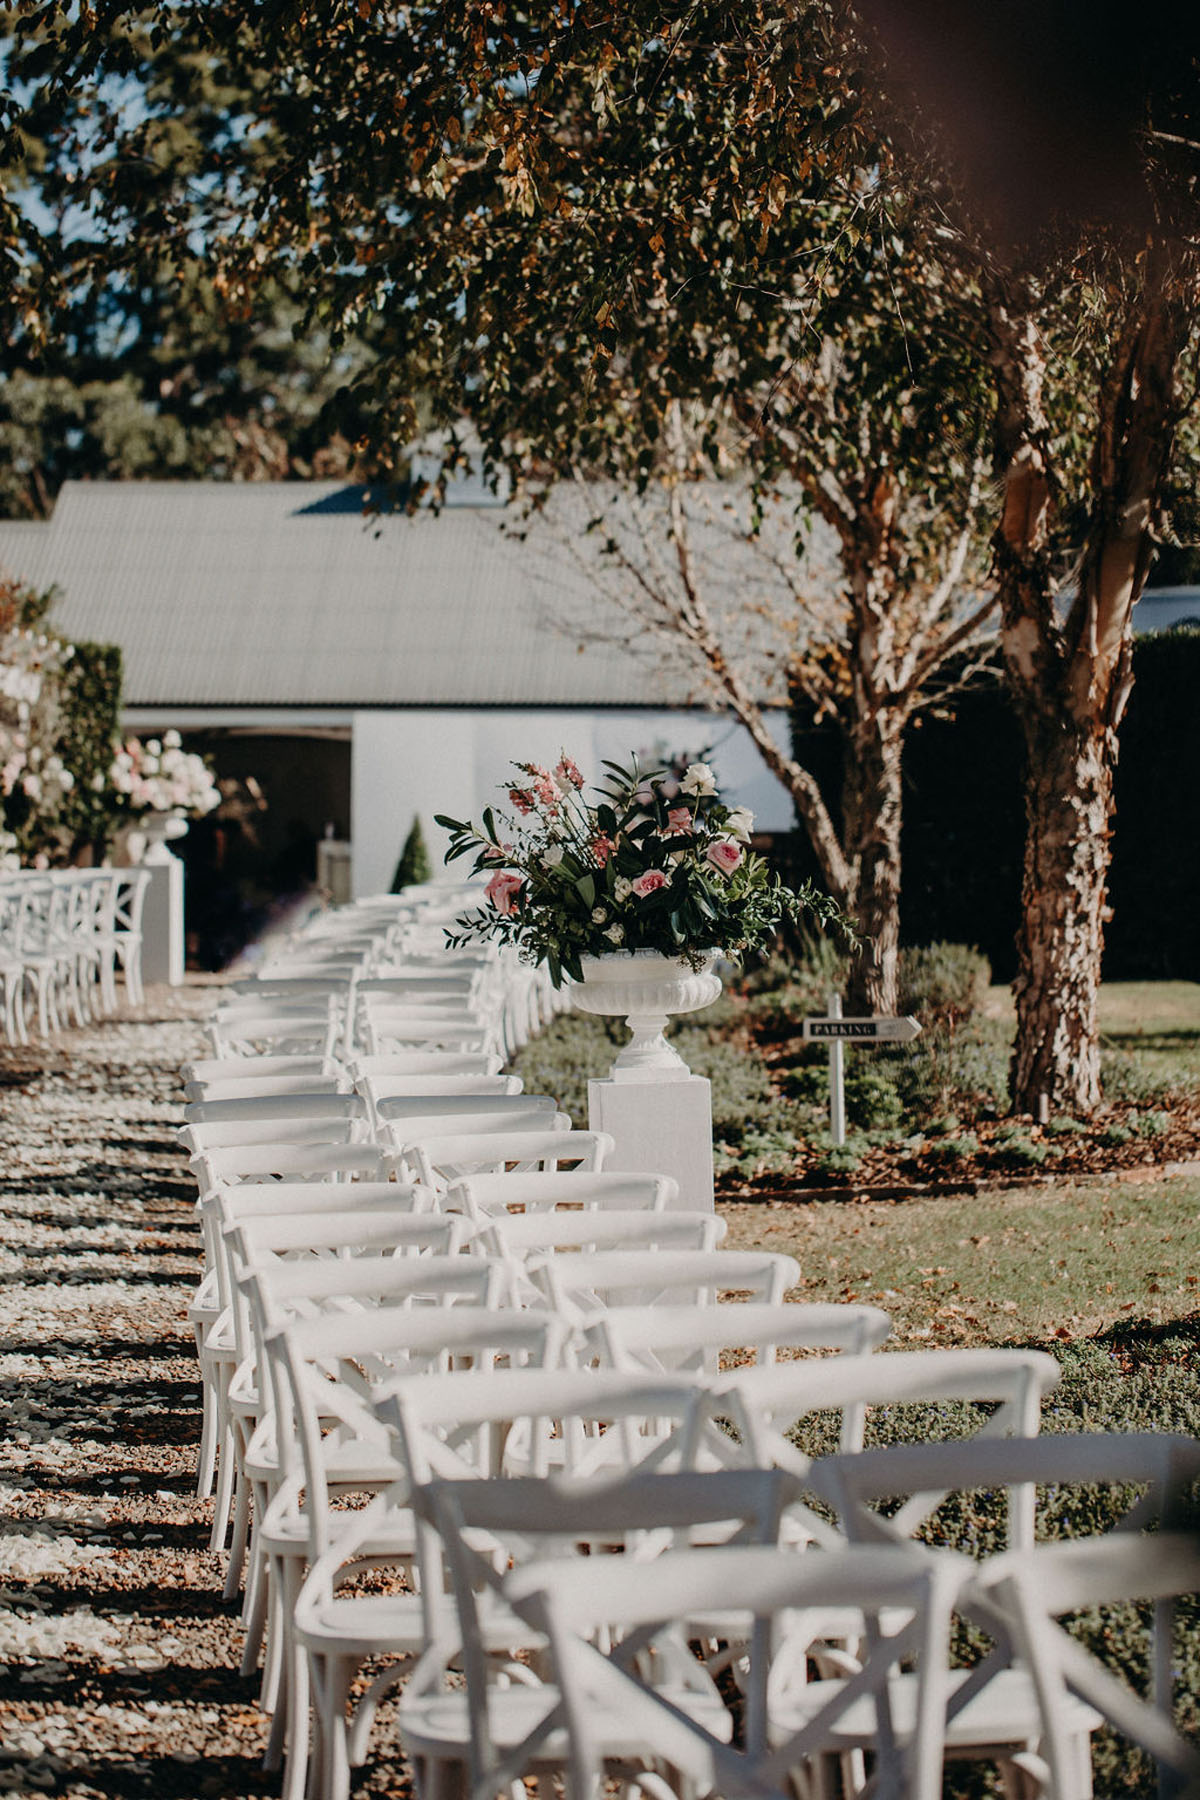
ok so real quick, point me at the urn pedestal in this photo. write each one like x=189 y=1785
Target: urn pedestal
x=658 y=1113
x=162 y=911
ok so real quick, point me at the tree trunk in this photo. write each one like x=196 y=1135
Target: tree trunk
x=1070 y=678
x=1068 y=798
x=871 y=807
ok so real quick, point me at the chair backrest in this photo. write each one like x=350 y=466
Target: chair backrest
x=230 y=1133
x=767 y=1403
x=587 y=1284
x=1161 y=1465
x=546 y=1191
x=426 y=1062
x=669 y=1337
x=129 y=900
x=438 y=1161
x=1027 y=1592
x=600 y=1614
x=246 y=1087
x=221 y=1165
x=307 y=1106
x=258 y=1068
x=523 y=1235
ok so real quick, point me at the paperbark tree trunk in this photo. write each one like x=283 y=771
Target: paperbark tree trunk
x=872 y=797
x=1068 y=800
x=1070 y=678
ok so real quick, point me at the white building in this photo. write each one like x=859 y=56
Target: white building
x=371 y=671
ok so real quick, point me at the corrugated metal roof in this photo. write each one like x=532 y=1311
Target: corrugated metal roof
x=279 y=593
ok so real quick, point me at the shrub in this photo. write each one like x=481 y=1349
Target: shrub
x=414 y=866
x=1152 y=1124
x=1065 y=1127
x=943 y=983
x=1115 y=1134
x=953 y=1149
x=1013 y=1148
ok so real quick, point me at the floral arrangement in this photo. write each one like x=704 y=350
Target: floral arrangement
x=657 y=862
x=34 y=781
x=160 y=776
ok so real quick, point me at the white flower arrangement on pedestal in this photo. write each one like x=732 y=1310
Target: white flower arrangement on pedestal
x=160 y=776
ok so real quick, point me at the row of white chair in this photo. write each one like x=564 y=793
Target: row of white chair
x=64 y=937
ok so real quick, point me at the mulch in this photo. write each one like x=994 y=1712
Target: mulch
x=118 y=1658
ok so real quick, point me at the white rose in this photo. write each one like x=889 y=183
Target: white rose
x=97 y=784
x=740 y=823
x=615 y=934
x=172 y=740
x=66 y=780
x=598 y=915
x=154 y=747
x=699 y=779
x=553 y=856
x=621 y=889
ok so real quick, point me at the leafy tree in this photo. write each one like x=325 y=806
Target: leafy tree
x=126 y=359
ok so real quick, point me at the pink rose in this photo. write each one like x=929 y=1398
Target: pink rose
x=649 y=883
x=680 y=821
x=502 y=891
x=724 y=855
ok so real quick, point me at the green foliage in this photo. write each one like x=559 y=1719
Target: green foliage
x=1152 y=1124
x=414 y=865
x=943 y=984
x=953 y=1149
x=90 y=727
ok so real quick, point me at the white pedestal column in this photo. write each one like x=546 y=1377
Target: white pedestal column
x=660 y=1128
x=162 y=919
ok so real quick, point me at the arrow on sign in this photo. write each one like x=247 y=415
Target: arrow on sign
x=871 y=1031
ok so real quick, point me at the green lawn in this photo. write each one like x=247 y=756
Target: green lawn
x=1011 y=1265
x=1158 y=1022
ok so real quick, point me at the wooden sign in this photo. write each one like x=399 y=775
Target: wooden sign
x=871 y=1031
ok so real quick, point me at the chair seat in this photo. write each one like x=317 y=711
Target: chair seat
x=1002 y=1716
x=375 y=1624
x=437 y=1724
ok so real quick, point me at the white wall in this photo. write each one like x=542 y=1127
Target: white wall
x=415 y=763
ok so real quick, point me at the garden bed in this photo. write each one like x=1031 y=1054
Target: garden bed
x=930 y=1117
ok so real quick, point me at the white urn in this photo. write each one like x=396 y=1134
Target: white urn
x=645 y=988
x=157 y=830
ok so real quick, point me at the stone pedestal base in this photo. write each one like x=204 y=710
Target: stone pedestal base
x=162 y=921
x=660 y=1128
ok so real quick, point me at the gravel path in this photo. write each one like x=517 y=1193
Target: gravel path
x=118 y=1659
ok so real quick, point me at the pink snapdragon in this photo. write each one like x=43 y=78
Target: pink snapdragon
x=568 y=771
x=602 y=848
x=521 y=798
x=650 y=883
x=502 y=891
x=724 y=855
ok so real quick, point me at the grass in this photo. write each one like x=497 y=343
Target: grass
x=1158 y=1022
x=1017 y=1265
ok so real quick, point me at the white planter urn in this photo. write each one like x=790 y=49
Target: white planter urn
x=158 y=829
x=644 y=989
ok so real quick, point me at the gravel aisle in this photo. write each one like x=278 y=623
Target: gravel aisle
x=118 y=1658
